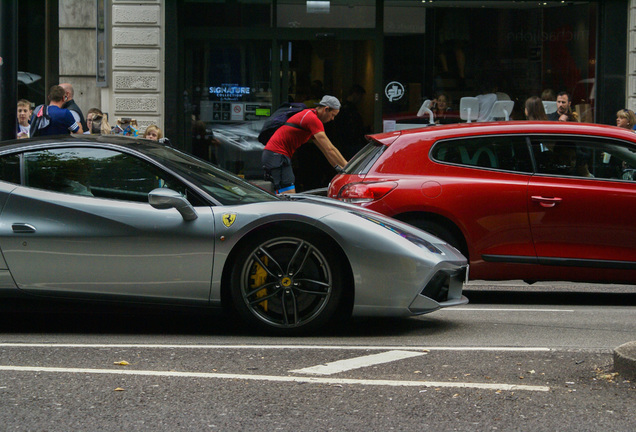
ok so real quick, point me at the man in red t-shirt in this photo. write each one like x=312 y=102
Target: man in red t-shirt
x=307 y=124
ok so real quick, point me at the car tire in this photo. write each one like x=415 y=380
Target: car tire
x=439 y=230
x=287 y=282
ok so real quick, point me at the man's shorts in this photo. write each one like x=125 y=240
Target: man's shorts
x=278 y=169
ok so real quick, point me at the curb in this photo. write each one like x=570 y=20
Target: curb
x=625 y=360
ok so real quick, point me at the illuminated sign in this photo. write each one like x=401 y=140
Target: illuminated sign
x=230 y=92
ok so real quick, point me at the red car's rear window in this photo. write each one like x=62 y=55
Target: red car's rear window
x=365 y=158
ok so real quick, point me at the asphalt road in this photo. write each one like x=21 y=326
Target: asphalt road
x=526 y=358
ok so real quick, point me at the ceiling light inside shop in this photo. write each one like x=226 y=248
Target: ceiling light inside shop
x=318 y=7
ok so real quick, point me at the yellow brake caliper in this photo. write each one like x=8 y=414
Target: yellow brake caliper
x=259 y=276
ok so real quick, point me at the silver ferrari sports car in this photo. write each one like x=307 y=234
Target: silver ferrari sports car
x=115 y=218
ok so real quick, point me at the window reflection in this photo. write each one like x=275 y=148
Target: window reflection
x=95 y=172
x=325 y=14
x=514 y=51
x=231 y=96
x=503 y=153
x=585 y=158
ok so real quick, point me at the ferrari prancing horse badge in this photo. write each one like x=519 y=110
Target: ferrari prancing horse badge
x=228 y=219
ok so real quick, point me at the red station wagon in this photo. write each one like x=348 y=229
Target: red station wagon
x=521 y=200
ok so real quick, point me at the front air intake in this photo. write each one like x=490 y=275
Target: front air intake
x=446 y=285
x=437 y=288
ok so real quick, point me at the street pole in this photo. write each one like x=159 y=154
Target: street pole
x=8 y=68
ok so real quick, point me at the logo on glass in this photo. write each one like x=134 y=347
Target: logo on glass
x=394 y=91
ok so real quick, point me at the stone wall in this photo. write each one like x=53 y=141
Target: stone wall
x=136 y=58
x=136 y=62
x=77 y=20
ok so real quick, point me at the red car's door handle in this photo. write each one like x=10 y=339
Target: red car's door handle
x=546 y=202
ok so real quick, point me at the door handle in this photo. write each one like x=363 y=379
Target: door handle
x=546 y=202
x=23 y=228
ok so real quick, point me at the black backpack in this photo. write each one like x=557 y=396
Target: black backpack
x=279 y=118
x=41 y=120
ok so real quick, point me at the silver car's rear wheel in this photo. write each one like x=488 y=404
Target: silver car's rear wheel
x=286 y=282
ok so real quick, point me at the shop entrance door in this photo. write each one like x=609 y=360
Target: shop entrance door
x=310 y=69
x=232 y=86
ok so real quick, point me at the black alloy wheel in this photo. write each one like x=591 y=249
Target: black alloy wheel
x=287 y=282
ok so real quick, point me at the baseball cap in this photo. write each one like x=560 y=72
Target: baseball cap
x=330 y=101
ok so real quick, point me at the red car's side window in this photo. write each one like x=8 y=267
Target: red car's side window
x=509 y=153
x=591 y=158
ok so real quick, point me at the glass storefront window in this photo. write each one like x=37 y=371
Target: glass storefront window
x=226 y=13
x=231 y=98
x=514 y=51
x=236 y=77
x=402 y=17
x=32 y=67
x=404 y=78
x=326 y=14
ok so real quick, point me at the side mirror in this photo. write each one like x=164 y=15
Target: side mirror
x=163 y=198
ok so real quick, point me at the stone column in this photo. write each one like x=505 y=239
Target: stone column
x=77 y=21
x=137 y=62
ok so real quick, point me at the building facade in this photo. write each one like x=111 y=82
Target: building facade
x=113 y=52
x=213 y=70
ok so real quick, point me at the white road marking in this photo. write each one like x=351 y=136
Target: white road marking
x=276 y=347
x=283 y=379
x=477 y=309
x=357 y=362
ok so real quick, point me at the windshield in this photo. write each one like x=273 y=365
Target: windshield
x=222 y=185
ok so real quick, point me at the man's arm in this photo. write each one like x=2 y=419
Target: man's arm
x=72 y=129
x=71 y=123
x=76 y=116
x=329 y=150
x=78 y=120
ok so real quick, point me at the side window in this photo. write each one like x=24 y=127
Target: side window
x=95 y=172
x=509 y=153
x=590 y=158
x=10 y=169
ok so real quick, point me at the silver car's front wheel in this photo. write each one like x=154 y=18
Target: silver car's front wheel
x=286 y=282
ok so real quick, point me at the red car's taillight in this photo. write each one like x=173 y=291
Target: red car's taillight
x=365 y=192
